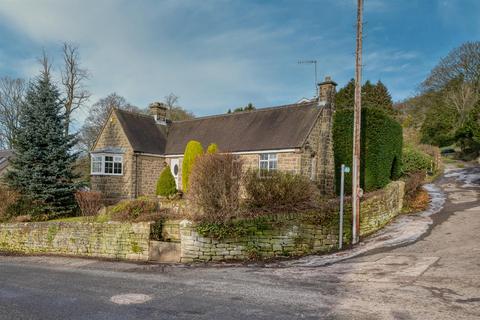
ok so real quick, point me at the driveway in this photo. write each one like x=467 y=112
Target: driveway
x=435 y=275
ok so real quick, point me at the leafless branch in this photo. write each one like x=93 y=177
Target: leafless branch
x=73 y=78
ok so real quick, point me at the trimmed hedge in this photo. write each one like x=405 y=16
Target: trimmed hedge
x=192 y=151
x=381 y=148
x=166 y=183
x=414 y=160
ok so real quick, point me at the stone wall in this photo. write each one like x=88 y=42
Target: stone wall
x=380 y=207
x=148 y=172
x=292 y=234
x=280 y=235
x=318 y=156
x=113 y=240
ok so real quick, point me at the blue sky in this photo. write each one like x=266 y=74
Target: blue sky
x=220 y=54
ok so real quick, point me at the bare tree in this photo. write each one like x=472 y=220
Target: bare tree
x=12 y=97
x=463 y=97
x=73 y=78
x=461 y=63
x=44 y=61
x=97 y=117
x=175 y=112
x=171 y=100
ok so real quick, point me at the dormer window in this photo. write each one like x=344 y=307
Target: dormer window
x=107 y=164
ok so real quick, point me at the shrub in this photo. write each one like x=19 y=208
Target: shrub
x=413 y=181
x=415 y=160
x=215 y=187
x=8 y=198
x=192 y=151
x=277 y=191
x=21 y=205
x=381 y=148
x=166 y=183
x=89 y=202
x=434 y=152
x=134 y=210
x=212 y=148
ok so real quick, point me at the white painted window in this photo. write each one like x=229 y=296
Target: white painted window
x=96 y=164
x=268 y=161
x=107 y=164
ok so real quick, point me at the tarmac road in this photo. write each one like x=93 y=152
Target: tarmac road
x=435 y=277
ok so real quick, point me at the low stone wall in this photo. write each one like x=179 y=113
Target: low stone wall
x=291 y=234
x=114 y=240
x=380 y=207
x=279 y=235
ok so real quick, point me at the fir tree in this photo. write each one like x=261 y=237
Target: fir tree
x=381 y=98
x=373 y=96
x=344 y=99
x=42 y=167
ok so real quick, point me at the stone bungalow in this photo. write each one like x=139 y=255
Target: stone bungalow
x=133 y=148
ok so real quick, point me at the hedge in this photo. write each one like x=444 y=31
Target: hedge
x=381 y=148
x=414 y=160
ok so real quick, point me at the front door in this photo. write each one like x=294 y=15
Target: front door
x=175 y=168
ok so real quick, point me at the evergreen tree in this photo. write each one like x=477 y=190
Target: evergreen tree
x=193 y=150
x=42 y=169
x=373 y=96
x=381 y=98
x=166 y=185
x=344 y=99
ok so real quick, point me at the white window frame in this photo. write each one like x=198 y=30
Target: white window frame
x=270 y=159
x=117 y=159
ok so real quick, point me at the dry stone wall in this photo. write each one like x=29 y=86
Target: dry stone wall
x=115 y=240
x=292 y=234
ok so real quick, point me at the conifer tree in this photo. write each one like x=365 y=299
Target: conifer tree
x=344 y=99
x=42 y=168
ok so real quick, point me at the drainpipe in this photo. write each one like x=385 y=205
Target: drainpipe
x=136 y=174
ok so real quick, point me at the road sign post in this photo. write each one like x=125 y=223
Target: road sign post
x=344 y=169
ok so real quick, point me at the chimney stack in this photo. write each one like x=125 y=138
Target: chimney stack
x=326 y=92
x=159 y=112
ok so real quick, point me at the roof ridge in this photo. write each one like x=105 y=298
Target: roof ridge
x=284 y=106
x=137 y=113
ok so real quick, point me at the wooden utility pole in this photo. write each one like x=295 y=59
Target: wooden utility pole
x=357 y=127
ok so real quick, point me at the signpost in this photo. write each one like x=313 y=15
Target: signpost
x=344 y=169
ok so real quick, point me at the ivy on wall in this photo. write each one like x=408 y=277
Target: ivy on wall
x=381 y=148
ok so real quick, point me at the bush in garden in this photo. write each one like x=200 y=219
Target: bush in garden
x=381 y=148
x=414 y=160
x=89 y=202
x=277 y=191
x=192 y=151
x=215 y=187
x=212 y=148
x=8 y=198
x=133 y=210
x=166 y=183
x=413 y=181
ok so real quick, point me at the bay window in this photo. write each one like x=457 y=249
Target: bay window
x=107 y=164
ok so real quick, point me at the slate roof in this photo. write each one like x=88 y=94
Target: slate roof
x=5 y=155
x=142 y=132
x=282 y=127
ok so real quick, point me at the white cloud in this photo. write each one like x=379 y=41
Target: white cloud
x=144 y=54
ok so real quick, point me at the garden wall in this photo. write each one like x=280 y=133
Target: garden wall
x=291 y=234
x=114 y=240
